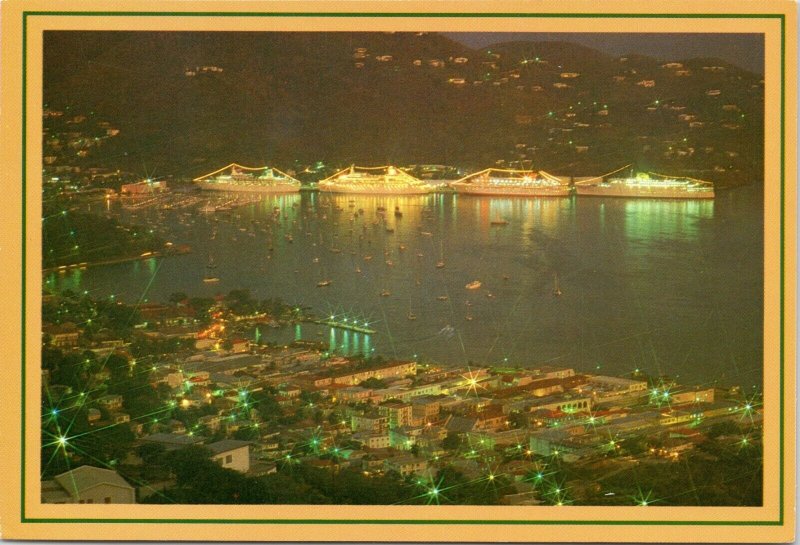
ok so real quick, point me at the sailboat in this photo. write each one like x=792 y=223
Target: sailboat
x=556 y=289
x=440 y=263
x=210 y=277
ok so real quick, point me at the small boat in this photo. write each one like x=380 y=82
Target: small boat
x=367 y=257
x=420 y=254
x=556 y=289
x=442 y=298
x=210 y=278
x=440 y=265
x=426 y=234
x=402 y=247
x=385 y=293
x=498 y=222
x=324 y=283
x=358 y=270
x=412 y=316
x=475 y=284
x=389 y=230
x=468 y=317
x=490 y=295
x=389 y=262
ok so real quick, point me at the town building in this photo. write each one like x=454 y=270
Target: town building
x=88 y=484
x=231 y=454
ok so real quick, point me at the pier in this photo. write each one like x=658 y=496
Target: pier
x=345 y=323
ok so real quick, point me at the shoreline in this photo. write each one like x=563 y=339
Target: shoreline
x=115 y=261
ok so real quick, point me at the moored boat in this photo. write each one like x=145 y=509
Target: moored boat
x=386 y=180
x=512 y=183
x=646 y=185
x=235 y=177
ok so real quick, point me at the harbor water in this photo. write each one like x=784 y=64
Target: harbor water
x=669 y=287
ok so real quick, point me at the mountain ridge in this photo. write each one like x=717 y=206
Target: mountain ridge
x=292 y=99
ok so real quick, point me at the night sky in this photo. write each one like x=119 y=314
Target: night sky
x=743 y=50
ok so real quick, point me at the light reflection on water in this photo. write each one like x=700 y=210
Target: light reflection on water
x=665 y=286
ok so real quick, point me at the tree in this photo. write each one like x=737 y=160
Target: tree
x=451 y=442
x=373 y=383
x=178 y=297
x=726 y=427
x=150 y=453
x=185 y=463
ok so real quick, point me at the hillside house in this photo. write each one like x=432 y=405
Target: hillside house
x=88 y=484
x=231 y=454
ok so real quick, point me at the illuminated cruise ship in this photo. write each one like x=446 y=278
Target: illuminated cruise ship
x=522 y=183
x=255 y=180
x=374 y=180
x=644 y=185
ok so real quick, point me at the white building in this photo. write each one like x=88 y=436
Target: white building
x=88 y=484
x=231 y=454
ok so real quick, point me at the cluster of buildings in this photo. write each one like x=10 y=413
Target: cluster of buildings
x=69 y=136
x=380 y=416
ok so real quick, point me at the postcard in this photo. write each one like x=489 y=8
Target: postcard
x=407 y=271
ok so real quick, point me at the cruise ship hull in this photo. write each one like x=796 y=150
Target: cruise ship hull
x=643 y=192
x=475 y=189
x=356 y=190
x=249 y=188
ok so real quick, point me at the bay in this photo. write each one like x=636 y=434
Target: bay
x=669 y=287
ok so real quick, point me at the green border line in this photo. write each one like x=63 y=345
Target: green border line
x=23 y=351
x=783 y=265
x=414 y=15
x=781 y=16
